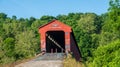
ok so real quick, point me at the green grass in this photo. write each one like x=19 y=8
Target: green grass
x=71 y=62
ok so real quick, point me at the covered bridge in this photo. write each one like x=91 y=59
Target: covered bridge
x=58 y=37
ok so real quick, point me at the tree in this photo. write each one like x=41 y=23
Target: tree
x=1 y=49
x=31 y=20
x=88 y=27
x=14 y=17
x=111 y=26
x=3 y=16
x=8 y=46
x=87 y=23
x=26 y=45
x=85 y=46
x=107 y=55
x=47 y=18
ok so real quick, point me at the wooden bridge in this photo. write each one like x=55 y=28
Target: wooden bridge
x=57 y=40
x=56 y=37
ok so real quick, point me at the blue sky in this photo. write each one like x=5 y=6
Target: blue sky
x=38 y=8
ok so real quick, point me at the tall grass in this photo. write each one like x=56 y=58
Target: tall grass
x=71 y=62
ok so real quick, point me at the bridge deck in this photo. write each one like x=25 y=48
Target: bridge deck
x=46 y=60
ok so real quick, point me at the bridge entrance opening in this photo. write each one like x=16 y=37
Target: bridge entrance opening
x=55 y=41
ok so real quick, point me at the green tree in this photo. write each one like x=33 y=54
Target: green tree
x=111 y=24
x=87 y=22
x=8 y=46
x=107 y=55
x=85 y=46
x=3 y=16
x=26 y=45
x=88 y=26
x=47 y=18
x=30 y=21
x=1 y=50
x=14 y=17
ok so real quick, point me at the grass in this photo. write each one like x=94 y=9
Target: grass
x=15 y=63
x=18 y=62
x=71 y=62
x=68 y=62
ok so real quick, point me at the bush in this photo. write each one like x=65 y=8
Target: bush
x=107 y=55
x=71 y=62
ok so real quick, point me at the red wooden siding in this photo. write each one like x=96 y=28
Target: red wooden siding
x=56 y=25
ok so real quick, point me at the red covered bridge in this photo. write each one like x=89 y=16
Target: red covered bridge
x=58 y=37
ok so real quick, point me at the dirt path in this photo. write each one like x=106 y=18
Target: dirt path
x=47 y=60
x=45 y=63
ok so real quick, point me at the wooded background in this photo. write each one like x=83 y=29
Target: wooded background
x=98 y=36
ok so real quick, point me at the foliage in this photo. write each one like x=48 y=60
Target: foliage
x=71 y=62
x=107 y=55
x=25 y=45
x=111 y=24
x=17 y=39
x=98 y=36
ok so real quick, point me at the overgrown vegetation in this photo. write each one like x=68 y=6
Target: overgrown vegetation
x=71 y=62
x=98 y=36
x=107 y=55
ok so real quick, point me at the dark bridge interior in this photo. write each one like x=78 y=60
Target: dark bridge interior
x=57 y=36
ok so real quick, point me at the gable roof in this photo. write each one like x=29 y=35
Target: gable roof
x=52 y=22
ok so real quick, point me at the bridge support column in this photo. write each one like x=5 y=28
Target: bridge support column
x=43 y=42
x=67 y=41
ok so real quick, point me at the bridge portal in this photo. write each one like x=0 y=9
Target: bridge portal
x=57 y=37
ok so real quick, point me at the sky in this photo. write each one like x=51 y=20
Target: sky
x=38 y=8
